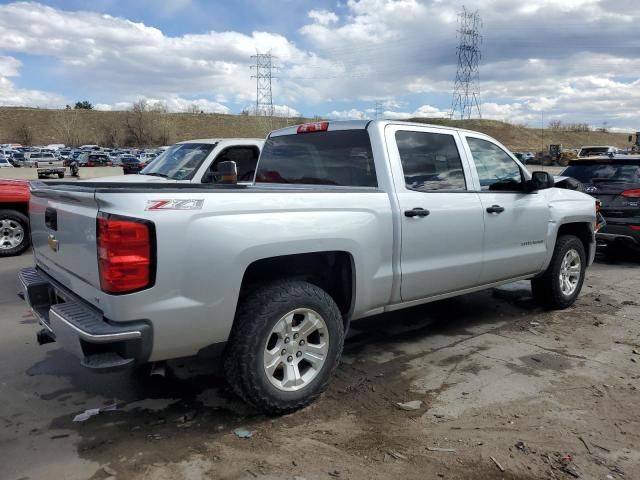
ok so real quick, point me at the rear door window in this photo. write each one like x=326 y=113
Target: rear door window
x=341 y=157
x=431 y=161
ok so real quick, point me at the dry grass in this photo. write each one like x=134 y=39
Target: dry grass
x=519 y=138
x=88 y=126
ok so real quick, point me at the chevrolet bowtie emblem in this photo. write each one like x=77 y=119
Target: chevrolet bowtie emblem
x=53 y=242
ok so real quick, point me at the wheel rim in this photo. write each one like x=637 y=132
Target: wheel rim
x=296 y=349
x=570 y=270
x=11 y=234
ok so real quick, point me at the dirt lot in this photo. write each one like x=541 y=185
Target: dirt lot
x=497 y=377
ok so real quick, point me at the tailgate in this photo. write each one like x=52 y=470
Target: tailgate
x=63 y=232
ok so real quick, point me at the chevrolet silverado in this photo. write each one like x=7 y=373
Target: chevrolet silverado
x=343 y=220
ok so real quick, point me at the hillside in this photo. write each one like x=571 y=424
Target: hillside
x=89 y=126
x=531 y=139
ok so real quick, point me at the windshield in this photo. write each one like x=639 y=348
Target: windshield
x=628 y=172
x=180 y=161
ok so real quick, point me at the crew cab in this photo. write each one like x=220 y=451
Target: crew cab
x=195 y=161
x=14 y=220
x=342 y=220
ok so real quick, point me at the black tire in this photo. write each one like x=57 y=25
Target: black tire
x=546 y=289
x=61 y=175
x=15 y=216
x=257 y=314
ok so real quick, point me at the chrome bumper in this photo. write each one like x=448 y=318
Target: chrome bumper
x=81 y=329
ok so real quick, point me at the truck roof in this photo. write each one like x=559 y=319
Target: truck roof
x=362 y=124
x=218 y=140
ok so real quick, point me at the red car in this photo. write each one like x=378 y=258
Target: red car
x=14 y=219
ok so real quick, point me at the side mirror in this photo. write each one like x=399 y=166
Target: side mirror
x=540 y=181
x=227 y=173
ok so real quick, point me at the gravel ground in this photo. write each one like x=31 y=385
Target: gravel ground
x=548 y=395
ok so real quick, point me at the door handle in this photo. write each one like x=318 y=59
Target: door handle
x=416 y=212
x=495 y=209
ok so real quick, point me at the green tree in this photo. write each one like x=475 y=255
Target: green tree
x=83 y=105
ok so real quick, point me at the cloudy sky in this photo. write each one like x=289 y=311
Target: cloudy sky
x=573 y=60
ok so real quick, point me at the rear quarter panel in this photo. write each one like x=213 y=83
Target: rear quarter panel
x=203 y=254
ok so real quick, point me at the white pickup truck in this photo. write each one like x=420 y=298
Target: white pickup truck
x=194 y=161
x=343 y=220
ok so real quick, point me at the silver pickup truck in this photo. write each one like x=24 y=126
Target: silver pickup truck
x=344 y=220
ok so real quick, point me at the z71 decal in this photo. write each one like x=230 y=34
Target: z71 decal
x=174 y=204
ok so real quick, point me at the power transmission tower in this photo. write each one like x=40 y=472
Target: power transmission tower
x=378 y=110
x=466 y=90
x=263 y=69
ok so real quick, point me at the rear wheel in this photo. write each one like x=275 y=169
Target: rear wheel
x=561 y=283
x=286 y=343
x=61 y=175
x=14 y=233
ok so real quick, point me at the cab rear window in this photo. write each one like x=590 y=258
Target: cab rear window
x=341 y=157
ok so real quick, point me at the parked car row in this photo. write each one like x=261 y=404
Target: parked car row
x=19 y=156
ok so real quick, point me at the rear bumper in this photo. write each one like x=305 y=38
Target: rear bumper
x=51 y=171
x=81 y=329
x=613 y=235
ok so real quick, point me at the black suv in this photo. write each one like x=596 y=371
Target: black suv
x=616 y=183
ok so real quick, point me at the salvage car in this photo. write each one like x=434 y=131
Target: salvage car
x=616 y=183
x=14 y=222
x=343 y=220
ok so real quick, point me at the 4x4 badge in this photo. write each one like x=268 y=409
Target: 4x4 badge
x=174 y=204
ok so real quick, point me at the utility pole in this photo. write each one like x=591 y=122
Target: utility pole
x=263 y=69
x=466 y=90
x=378 y=110
x=542 y=129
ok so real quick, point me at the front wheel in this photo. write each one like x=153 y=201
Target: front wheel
x=285 y=345
x=561 y=283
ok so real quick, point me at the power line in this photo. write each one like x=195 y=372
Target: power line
x=264 y=68
x=466 y=90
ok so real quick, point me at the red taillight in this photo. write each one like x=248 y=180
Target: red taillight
x=635 y=227
x=313 y=127
x=125 y=254
x=633 y=193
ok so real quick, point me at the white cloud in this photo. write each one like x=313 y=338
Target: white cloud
x=425 y=111
x=132 y=60
x=352 y=114
x=544 y=56
x=323 y=17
